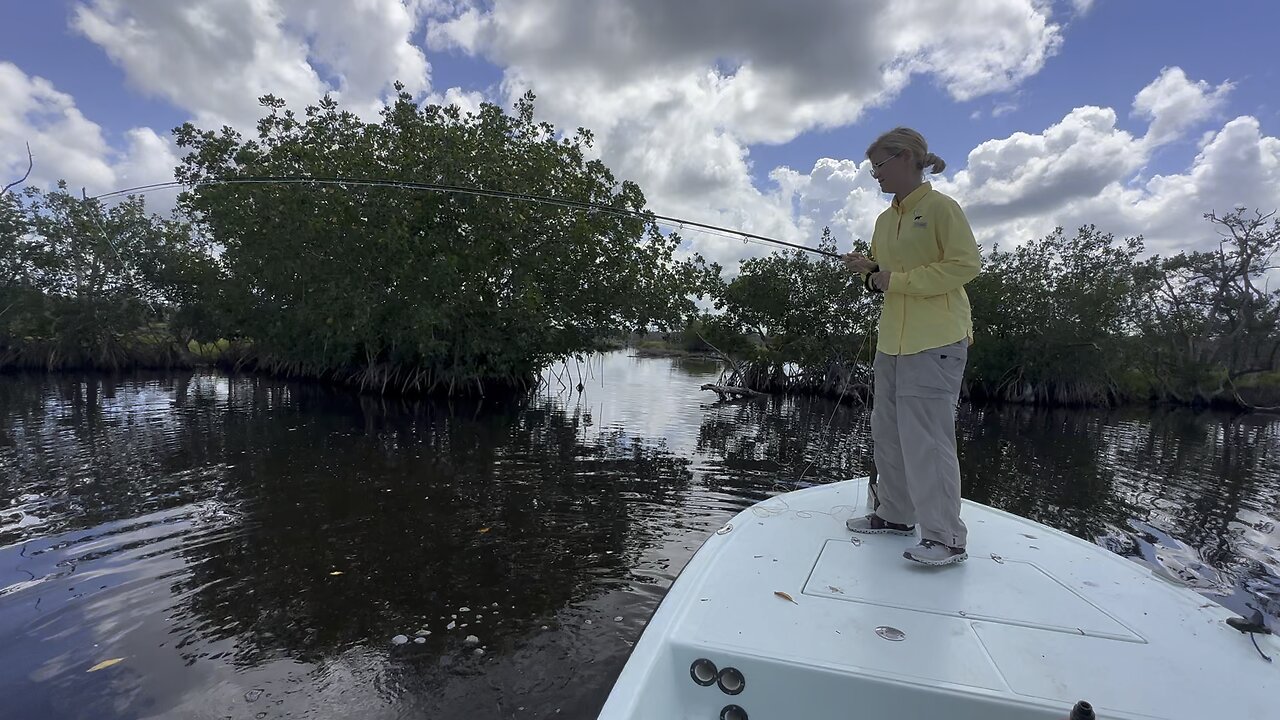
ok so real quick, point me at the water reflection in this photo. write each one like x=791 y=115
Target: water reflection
x=250 y=547
x=1194 y=495
x=253 y=523
x=1047 y=465
x=778 y=444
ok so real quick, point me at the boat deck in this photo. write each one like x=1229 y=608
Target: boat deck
x=1034 y=621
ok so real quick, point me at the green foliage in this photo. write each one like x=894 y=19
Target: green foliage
x=395 y=289
x=1061 y=320
x=806 y=310
x=811 y=317
x=1053 y=318
x=87 y=286
x=1215 y=325
x=385 y=286
x=711 y=332
x=1082 y=320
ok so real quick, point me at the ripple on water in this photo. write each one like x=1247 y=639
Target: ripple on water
x=249 y=546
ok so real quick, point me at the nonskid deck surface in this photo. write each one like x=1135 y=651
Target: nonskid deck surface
x=1034 y=621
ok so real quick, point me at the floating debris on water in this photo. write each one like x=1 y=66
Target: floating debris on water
x=472 y=640
x=420 y=640
x=400 y=639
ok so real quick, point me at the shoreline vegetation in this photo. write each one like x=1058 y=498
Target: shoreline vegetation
x=392 y=291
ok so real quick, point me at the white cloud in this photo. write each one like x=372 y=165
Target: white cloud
x=770 y=71
x=674 y=104
x=214 y=58
x=1004 y=109
x=840 y=194
x=1174 y=104
x=1082 y=7
x=1026 y=174
x=468 y=101
x=68 y=146
x=64 y=143
x=1239 y=166
x=148 y=158
x=369 y=44
x=973 y=48
x=675 y=107
x=1081 y=170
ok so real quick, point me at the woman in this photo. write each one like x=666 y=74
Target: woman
x=923 y=253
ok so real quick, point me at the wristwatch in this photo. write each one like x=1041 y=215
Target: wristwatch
x=866 y=281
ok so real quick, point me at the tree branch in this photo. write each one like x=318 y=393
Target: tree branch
x=1235 y=392
x=30 y=164
x=737 y=373
x=724 y=391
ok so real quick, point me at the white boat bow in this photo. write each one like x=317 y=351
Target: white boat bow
x=783 y=613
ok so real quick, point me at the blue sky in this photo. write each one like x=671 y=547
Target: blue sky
x=1108 y=55
x=756 y=120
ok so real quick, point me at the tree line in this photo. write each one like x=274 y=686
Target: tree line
x=1067 y=319
x=377 y=287
x=397 y=291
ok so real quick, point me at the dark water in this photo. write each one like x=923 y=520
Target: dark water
x=250 y=547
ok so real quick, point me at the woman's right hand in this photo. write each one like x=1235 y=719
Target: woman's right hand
x=859 y=263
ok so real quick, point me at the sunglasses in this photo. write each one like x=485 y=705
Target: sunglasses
x=875 y=167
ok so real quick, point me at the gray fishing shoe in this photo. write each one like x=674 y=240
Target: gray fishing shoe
x=874 y=524
x=931 y=552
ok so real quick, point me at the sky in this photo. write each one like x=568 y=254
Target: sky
x=1137 y=116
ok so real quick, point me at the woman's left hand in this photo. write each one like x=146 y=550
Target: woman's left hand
x=881 y=280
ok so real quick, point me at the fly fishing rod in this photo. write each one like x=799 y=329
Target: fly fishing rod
x=464 y=190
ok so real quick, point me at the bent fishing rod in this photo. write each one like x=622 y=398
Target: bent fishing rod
x=464 y=190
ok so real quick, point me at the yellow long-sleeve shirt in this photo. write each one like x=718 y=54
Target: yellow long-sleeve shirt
x=926 y=242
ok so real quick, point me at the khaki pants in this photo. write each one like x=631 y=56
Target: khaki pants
x=913 y=427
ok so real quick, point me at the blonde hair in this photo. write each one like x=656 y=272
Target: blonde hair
x=904 y=138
